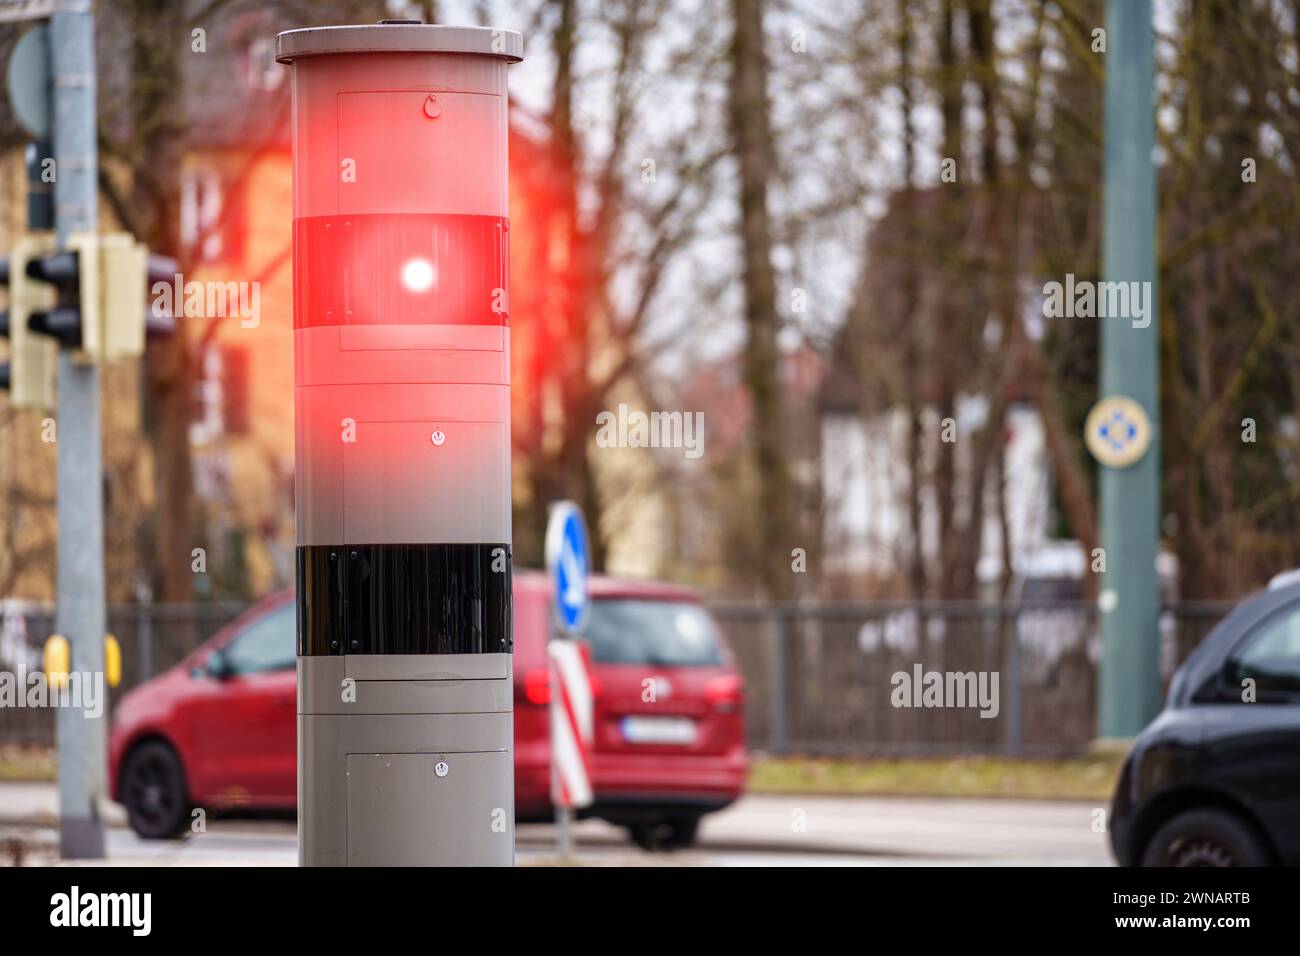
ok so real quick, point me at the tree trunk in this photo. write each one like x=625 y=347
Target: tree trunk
x=914 y=380
x=946 y=307
x=157 y=152
x=752 y=145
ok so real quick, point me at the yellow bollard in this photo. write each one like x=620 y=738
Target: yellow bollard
x=112 y=660
x=57 y=660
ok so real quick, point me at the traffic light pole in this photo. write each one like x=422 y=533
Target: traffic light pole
x=1130 y=496
x=81 y=614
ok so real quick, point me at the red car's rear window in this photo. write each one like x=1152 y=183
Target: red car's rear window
x=657 y=633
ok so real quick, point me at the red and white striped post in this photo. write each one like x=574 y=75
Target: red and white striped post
x=568 y=562
x=571 y=724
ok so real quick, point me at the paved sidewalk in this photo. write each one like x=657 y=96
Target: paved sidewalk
x=23 y=802
x=773 y=827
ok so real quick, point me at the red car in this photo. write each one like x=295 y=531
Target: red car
x=219 y=729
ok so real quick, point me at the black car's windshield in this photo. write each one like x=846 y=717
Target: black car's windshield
x=658 y=633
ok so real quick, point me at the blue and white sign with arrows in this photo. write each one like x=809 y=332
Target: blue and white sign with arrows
x=568 y=562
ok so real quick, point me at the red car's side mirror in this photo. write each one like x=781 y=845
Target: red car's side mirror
x=216 y=666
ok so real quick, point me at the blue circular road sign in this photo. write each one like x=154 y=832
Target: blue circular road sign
x=568 y=561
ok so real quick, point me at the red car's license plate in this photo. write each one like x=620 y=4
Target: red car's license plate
x=658 y=730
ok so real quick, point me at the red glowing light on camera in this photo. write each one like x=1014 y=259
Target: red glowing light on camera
x=419 y=275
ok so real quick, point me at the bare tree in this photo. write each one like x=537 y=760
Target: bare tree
x=752 y=144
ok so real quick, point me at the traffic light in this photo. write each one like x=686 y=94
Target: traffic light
x=29 y=374
x=100 y=282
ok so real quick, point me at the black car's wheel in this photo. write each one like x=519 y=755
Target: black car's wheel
x=1205 y=838
x=153 y=791
x=674 y=834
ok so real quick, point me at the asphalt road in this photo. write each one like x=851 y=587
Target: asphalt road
x=760 y=830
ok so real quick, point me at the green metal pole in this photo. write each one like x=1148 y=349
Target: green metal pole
x=1130 y=497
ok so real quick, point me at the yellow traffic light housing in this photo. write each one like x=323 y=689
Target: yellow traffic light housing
x=57 y=660
x=112 y=660
x=112 y=276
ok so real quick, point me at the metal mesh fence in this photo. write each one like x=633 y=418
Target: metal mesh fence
x=820 y=678
x=829 y=679
x=153 y=638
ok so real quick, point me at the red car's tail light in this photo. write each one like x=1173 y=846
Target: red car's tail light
x=725 y=694
x=537 y=687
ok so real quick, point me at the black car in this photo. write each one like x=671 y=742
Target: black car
x=1215 y=779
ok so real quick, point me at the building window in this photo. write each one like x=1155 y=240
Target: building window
x=201 y=204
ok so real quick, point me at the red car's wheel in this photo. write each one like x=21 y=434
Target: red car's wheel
x=677 y=833
x=153 y=791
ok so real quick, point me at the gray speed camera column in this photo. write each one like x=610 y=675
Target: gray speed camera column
x=402 y=410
